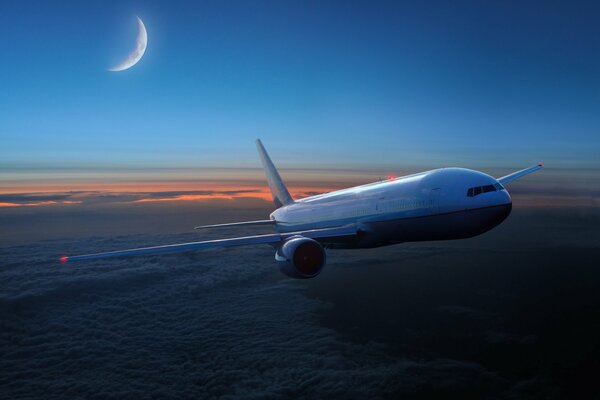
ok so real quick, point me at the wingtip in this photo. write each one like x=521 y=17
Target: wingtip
x=541 y=164
x=64 y=259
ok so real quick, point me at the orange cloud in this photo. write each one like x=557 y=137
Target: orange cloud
x=39 y=203
x=195 y=197
x=230 y=194
x=62 y=193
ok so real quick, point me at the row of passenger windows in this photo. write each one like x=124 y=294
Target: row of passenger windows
x=475 y=191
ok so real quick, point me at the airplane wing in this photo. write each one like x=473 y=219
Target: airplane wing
x=516 y=175
x=253 y=223
x=342 y=231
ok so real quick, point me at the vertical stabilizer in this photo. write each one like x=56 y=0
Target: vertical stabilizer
x=281 y=196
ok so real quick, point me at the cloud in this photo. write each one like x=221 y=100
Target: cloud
x=132 y=196
x=39 y=203
x=203 y=195
x=468 y=319
x=40 y=197
x=37 y=199
x=194 y=325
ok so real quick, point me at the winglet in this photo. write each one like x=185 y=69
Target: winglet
x=518 y=174
x=281 y=196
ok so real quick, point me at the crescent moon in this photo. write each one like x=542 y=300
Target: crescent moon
x=137 y=53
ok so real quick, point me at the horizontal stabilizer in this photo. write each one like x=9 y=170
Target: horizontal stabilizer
x=342 y=231
x=245 y=223
x=516 y=175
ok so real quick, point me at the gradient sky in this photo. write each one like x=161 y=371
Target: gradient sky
x=341 y=93
x=324 y=84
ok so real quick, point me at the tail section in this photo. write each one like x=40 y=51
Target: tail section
x=281 y=196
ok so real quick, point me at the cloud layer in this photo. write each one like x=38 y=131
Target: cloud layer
x=506 y=315
x=187 y=326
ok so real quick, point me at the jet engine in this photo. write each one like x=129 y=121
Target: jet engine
x=300 y=257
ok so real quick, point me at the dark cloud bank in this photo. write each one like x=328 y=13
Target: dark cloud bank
x=512 y=314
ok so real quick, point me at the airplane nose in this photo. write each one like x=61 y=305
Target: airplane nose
x=504 y=209
x=503 y=212
x=495 y=216
x=505 y=197
x=500 y=211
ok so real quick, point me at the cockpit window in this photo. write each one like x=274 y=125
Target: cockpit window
x=477 y=190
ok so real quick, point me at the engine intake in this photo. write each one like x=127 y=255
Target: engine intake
x=300 y=257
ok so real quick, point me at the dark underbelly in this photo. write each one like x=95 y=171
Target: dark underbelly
x=454 y=225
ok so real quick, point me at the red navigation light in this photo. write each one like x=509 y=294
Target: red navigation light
x=541 y=164
x=392 y=177
x=64 y=259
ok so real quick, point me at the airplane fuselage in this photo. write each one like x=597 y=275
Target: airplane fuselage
x=447 y=203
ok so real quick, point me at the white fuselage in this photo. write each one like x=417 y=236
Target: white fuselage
x=445 y=203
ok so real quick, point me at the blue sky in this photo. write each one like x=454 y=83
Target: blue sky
x=350 y=84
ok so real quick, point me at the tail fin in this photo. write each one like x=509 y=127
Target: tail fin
x=281 y=196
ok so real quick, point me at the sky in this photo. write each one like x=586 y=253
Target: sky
x=341 y=93
x=337 y=84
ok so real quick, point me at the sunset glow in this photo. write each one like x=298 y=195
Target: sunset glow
x=198 y=197
x=69 y=193
x=39 y=203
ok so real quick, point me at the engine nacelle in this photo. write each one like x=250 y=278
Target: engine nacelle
x=300 y=257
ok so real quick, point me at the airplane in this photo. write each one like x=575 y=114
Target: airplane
x=441 y=204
